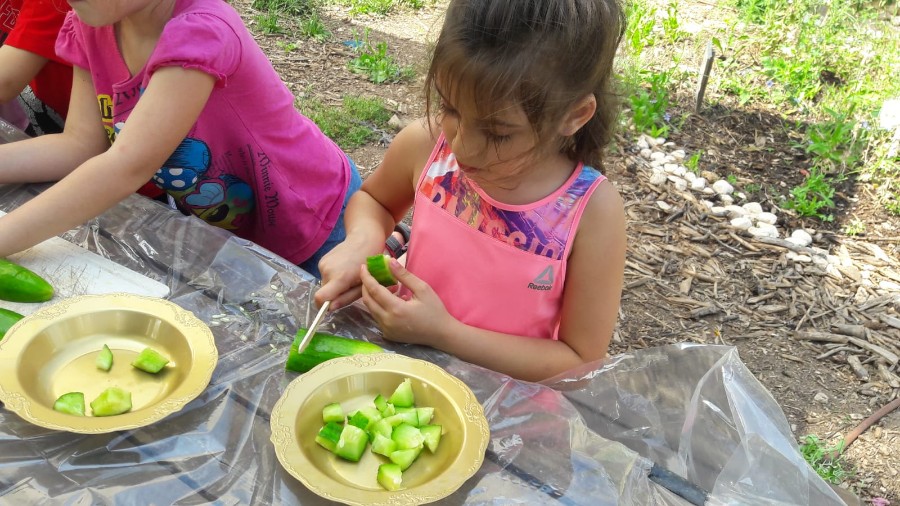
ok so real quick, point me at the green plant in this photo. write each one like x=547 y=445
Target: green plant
x=822 y=459
x=375 y=63
x=670 y=25
x=287 y=46
x=649 y=103
x=357 y=121
x=639 y=27
x=732 y=179
x=693 y=163
x=312 y=27
x=268 y=23
x=752 y=188
x=834 y=143
x=855 y=227
x=814 y=195
x=292 y=7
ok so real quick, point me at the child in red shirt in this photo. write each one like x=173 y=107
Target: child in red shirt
x=34 y=83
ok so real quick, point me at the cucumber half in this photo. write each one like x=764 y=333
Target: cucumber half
x=379 y=268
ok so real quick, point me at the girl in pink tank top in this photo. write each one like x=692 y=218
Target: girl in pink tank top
x=518 y=248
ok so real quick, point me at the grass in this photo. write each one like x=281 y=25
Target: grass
x=378 y=7
x=356 y=122
x=818 y=455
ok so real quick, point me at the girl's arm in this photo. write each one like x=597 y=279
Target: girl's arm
x=52 y=157
x=17 y=68
x=162 y=118
x=372 y=212
x=590 y=306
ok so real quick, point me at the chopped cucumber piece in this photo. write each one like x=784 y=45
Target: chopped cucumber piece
x=383 y=445
x=380 y=269
x=424 y=415
x=104 y=359
x=358 y=419
x=390 y=476
x=382 y=427
x=389 y=410
x=407 y=436
x=405 y=458
x=333 y=413
x=112 y=401
x=381 y=403
x=403 y=396
x=329 y=435
x=71 y=403
x=352 y=443
x=150 y=360
x=432 y=436
x=409 y=417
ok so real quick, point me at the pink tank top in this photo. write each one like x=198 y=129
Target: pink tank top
x=495 y=266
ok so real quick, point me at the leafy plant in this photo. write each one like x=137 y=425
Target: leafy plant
x=268 y=23
x=670 y=25
x=357 y=121
x=819 y=457
x=292 y=7
x=814 y=195
x=312 y=27
x=693 y=163
x=639 y=27
x=649 y=104
x=375 y=63
x=834 y=143
x=855 y=227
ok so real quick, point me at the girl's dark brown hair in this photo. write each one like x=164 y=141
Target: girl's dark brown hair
x=544 y=55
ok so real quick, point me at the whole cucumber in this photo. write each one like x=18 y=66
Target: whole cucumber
x=18 y=284
x=7 y=320
x=324 y=347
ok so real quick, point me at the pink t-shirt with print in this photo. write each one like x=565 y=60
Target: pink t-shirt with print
x=251 y=163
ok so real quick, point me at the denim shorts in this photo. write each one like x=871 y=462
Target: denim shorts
x=339 y=233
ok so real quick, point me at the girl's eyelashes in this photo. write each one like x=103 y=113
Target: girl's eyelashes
x=498 y=139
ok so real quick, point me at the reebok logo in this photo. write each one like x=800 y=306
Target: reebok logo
x=543 y=281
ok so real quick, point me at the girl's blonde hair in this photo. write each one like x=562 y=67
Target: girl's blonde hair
x=544 y=55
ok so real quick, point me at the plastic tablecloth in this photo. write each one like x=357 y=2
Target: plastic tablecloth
x=619 y=431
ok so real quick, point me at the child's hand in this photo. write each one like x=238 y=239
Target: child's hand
x=340 y=276
x=417 y=318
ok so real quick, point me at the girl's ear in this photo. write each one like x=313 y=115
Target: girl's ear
x=578 y=115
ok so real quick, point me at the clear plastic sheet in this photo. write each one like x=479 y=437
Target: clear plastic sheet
x=589 y=437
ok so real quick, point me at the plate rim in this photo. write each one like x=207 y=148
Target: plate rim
x=283 y=434
x=204 y=356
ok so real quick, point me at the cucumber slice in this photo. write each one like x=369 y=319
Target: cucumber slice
x=71 y=403
x=390 y=476
x=112 y=401
x=333 y=413
x=382 y=427
x=432 y=436
x=407 y=437
x=380 y=269
x=104 y=359
x=403 y=396
x=424 y=414
x=409 y=417
x=358 y=419
x=19 y=284
x=352 y=443
x=381 y=403
x=329 y=435
x=405 y=458
x=150 y=360
x=383 y=445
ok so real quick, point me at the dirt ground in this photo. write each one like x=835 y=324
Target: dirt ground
x=690 y=277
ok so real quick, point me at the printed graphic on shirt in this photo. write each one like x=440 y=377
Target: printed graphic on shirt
x=221 y=199
x=543 y=281
x=543 y=230
x=8 y=16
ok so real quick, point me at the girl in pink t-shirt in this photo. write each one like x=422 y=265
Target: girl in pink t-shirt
x=517 y=253
x=189 y=102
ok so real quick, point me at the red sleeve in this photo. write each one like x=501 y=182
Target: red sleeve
x=37 y=26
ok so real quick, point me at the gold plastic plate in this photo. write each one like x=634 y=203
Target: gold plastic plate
x=354 y=382
x=52 y=352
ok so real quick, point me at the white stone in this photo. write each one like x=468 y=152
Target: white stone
x=708 y=204
x=670 y=159
x=889 y=115
x=800 y=237
x=709 y=191
x=665 y=206
x=658 y=178
x=660 y=141
x=698 y=183
x=763 y=230
x=723 y=187
x=820 y=397
x=645 y=153
x=718 y=211
x=726 y=199
x=736 y=211
x=803 y=259
x=643 y=144
x=680 y=184
x=657 y=155
x=820 y=261
x=656 y=163
x=753 y=207
x=690 y=176
x=833 y=259
x=769 y=218
x=740 y=195
x=670 y=167
x=742 y=223
x=679 y=154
